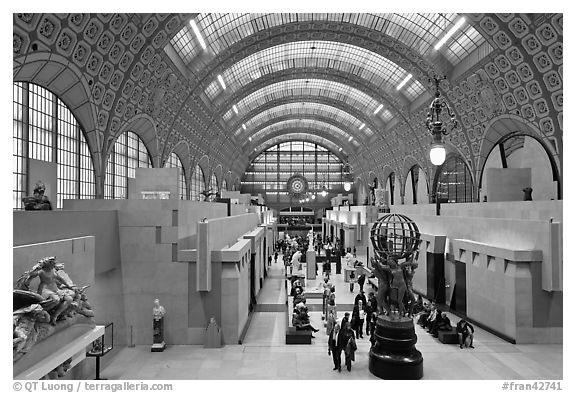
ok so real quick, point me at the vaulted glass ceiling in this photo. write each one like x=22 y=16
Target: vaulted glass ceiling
x=309 y=124
x=329 y=145
x=374 y=68
x=243 y=90
x=417 y=31
x=307 y=87
x=299 y=109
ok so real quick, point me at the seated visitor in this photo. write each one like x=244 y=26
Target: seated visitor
x=419 y=306
x=465 y=333
x=296 y=285
x=298 y=297
x=431 y=317
x=442 y=323
x=424 y=314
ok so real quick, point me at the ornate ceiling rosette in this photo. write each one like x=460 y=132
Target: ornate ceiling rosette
x=297 y=185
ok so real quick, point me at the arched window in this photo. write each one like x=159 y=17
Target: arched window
x=269 y=173
x=224 y=184
x=454 y=182
x=44 y=129
x=527 y=159
x=128 y=153
x=213 y=187
x=390 y=182
x=174 y=162
x=197 y=184
x=415 y=188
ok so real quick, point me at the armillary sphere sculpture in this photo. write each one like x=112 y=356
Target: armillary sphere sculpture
x=396 y=240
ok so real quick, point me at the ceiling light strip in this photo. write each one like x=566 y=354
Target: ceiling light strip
x=401 y=85
x=221 y=80
x=450 y=33
x=379 y=108
x=235 y=108
x=197 y=33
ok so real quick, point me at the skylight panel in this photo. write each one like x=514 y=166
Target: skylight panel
x=450 y=33
x=311 y=87
x=197 y=34
x=404 y=81
x=221 y=80
x=348 y=58
x=386 y=115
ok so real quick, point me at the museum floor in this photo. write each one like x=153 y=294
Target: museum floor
x=264 y=355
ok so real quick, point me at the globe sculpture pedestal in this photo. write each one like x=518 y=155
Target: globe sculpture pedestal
x=394 y=355
x=396 y=240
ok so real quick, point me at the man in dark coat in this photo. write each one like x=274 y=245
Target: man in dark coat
x=362 y=297
x=361 y=280
x=335 y=347
x=465 y=330
x=371 y=307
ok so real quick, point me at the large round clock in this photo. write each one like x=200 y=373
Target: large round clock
x=296 y=185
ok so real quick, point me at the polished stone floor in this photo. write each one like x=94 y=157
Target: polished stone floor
x=264 y=356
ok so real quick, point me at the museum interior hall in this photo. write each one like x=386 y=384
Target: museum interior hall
x=206 y=196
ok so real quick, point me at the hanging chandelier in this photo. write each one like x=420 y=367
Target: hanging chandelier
x=346 y=169
x=436 y=126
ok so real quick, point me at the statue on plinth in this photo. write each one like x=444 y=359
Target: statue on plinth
x=212 y=338
x=158 y=313
x=37 y=201
x=310 y=240
x=396 y=240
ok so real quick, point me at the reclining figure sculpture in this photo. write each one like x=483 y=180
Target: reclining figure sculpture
x=56 y=304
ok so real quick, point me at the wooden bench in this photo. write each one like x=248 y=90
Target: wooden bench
x=448 y=336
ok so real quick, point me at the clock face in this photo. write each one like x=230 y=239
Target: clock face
x=296 y=185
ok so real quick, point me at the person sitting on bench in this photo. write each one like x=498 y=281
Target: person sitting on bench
x=465 y=333
x=298 y=296
x=442 y=323
x=429 y=322
x=424 y=314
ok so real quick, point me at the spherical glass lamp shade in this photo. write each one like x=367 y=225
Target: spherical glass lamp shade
x=347 y=186
x=307 y=199
x=437 y=154
x=324 y=193
x=313 y=196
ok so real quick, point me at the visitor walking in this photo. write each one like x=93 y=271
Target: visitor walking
x=350 y=347
x=335 y=347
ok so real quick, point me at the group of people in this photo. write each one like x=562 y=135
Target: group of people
x=432 y=319
x=341 y=339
